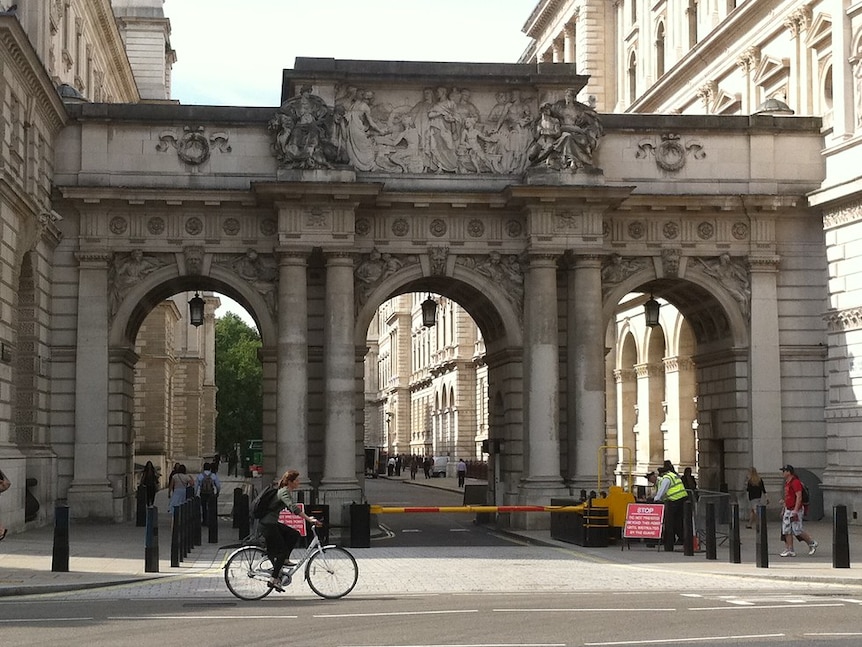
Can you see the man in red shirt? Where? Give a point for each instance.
(791, 519)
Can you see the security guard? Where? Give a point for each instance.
(671, 492)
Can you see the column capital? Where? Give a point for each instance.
(541, 259)
(586, 260)
(94, 258)
(291, 257)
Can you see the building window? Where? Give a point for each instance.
(659, 50)
(634, 11)
(692, 22)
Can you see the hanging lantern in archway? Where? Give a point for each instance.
(429, 312)
(196, 310)
(651, 309)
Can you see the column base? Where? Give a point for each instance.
(537, 491)
(92, 501)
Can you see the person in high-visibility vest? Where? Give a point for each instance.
(671, 492)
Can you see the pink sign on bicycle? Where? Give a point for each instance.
(294, 521)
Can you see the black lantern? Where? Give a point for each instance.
(196, 311)
(429, 312)
(651, 308)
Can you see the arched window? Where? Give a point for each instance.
(633, 77)
(659, 50)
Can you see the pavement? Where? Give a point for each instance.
(105, 555)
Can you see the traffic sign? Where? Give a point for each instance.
(643, 521)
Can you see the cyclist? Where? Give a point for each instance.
(281, 539)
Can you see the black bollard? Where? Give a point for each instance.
(175, 538)
(60, 561)
(735, 552)
(840, 538)
(687, 528)
(195, 525)
(141, 510)
(151, 541)
(212, 520)
(711, 546)
(243, 517)
(360, 525)
(237, 495)
(762, 542)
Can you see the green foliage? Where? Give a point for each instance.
(239, 378)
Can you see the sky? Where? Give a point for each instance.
(233, 52)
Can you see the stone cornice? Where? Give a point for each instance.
(101, 16)
(844, 320)
(844, 216)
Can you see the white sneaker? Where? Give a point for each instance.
(812, 548)
(787, 553)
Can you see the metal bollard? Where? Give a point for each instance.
(212, 520)
(175, 538)
(687, 529)
(762, 541)
(60, 560)
(840, 538)
(151, 541)
(195, 525)
(360, 525)
(141, 508)
(735, 552)
(710, 531)
(243, 517)
(237, 495)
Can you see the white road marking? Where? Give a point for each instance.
(682, 641)
(205, 617)
(16, 620)
(579, 610)
(382, 614)
(767, 606)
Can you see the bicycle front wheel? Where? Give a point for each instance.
(332, 573)
(247, 573)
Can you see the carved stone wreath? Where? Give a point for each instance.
(636, 229)
(400, 227)
(363, 227)
(193, 147)
(194, 226)
(476, 228)
(739, 230)
(268, 227)
(670, 154)
(118, 225)
(156, 225)
(514, 229)
(671, 230)
(438, 227)
(231, 226)
(705, 230)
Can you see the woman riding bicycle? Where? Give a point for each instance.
(281, 539)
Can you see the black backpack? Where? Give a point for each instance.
(263, 503)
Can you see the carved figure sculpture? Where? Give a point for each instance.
(580, 131)
(732, 276)
(303, 129)
(443, 128)
(128, 271)
(360, 124)
(261, 273)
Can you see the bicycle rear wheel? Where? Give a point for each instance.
(247, 573)
(332, 573)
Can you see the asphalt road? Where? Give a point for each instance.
(463, 620)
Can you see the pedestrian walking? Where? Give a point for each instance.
(461, 469)
(208, 487)
(150, 482)
(794, 511)
(756, 495)
(178, 488)
(426, 466)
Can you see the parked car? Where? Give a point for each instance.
(439, 466)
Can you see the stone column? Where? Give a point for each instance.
(291, 446)
(585, 397)
(765, 365)
(339, 469)
(90, 494)
(541, 437)
(569, 42)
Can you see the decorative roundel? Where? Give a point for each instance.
(670, 155)
(400, 227)
(636, 229)
(671, 230)
(194, 226)
(739, 230)
(156, 225)
(705, 230)
(268, 227)
(476, 228)
(363, 227)
(231, 226)
(118, 225)
(514, 229)
(438, 227)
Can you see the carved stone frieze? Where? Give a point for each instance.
(670, 153)
(844, 216)
(193, 146)
(128, 269)
(374, 267)
(258, 270)
(617, 269)
(503, 270)
(732, 275)
(441, 130)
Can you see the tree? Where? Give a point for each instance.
(239, 378)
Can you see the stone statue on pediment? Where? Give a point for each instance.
(302, 130)
(566, 135)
